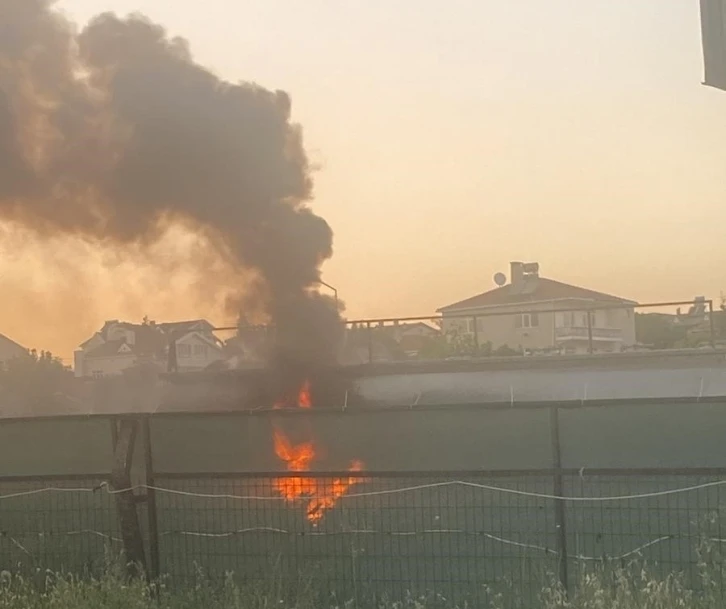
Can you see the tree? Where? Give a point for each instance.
(35, 376)
(658, 331)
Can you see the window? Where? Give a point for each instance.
(183, 350)
(526, 320)
(200, 350)
(470, 326)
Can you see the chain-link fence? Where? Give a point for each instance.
(456, 536)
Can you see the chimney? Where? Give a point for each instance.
(524, 277)
(516, 273)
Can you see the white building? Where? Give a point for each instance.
(119, 345)
(521, 315)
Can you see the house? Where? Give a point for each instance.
(9, 349)
(520, 315)
(413, 337)
(119, 345)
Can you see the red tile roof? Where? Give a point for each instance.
(544, 290)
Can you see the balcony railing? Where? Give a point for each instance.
(582, 333)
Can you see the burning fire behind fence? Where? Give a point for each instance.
(319, 494)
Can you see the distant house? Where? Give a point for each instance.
(413, 337)
(9, 349)
(120, 345)
(516, 315)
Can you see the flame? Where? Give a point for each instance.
(320, 494)
(303, 397)
(298, 458)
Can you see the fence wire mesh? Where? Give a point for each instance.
(460, 538)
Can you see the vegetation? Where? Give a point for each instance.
(458, 345)
(626, 587)
(34, 376)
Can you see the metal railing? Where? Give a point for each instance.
(391, 339)
(378, 333)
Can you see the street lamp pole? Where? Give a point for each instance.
(335, 292)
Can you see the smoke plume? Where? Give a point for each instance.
(114, 134)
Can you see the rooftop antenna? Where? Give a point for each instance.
(500, 279)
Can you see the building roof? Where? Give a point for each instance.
(7, 340)
(182, 327)
(416, 324)
(108, 349)
(148, 341)
(542, 289)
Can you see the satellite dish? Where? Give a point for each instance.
(500, 279)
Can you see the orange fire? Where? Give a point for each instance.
(320, 494)
(303, 397)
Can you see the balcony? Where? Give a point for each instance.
(581, 333)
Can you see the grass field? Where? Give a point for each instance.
(630, 587)
(449, 544)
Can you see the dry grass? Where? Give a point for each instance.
(630, 587)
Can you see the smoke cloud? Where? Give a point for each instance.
(115, 135)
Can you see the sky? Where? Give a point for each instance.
(453, 137)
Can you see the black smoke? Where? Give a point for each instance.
(115, 132)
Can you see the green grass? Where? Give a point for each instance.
(604, 587)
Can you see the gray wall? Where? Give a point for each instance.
(641, 436)
(400, 440)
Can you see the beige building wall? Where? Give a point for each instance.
(502, 329)
(107, 366)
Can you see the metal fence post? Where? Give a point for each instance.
(589, 332)
(370, 342)
(558, 491)
(154, 566)
(710, 324)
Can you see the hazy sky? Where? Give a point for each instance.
(456, 136)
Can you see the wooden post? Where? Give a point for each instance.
(558, 491)
(125, 499)
(154, 568)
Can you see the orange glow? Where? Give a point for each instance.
(320, 494)
(298, 457)
(303, 397)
